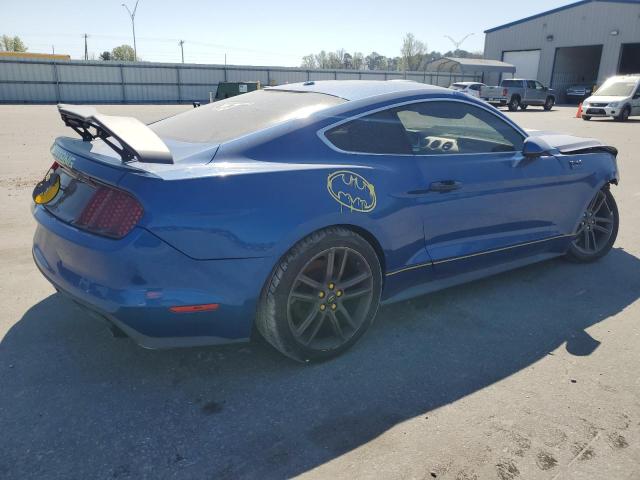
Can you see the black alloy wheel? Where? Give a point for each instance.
(322, 295)
(597, 230)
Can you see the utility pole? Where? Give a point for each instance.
(459, 42)
(181, 43)
(86, 51)
(133, 26)
(53, 49)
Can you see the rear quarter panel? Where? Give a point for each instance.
(258, 200)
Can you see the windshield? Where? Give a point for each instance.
(240, 115)
(616, 89)
(458, 86)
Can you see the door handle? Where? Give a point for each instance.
(445, 186)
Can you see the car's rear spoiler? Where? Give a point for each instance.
(133, 139)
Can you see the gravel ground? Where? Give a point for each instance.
(531, 374)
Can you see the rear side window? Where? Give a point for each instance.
(381, 133)
(511, 83)
(237, 116)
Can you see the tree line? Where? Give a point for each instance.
(123, 53)
(414, 56)
(12, 44)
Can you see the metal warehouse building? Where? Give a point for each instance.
(580, 43)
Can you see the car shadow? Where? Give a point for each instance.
(77, 403)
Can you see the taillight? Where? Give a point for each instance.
(504, 92)
(110, 212)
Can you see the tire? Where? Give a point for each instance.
(513, 104)
(586, 117)
(523, 106)
(590, 227)
(549, 103)
(624, 114)
(302, 305)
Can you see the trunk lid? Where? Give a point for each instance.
(91, 171)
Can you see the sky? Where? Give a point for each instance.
(249, 32)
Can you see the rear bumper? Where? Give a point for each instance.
(495, 100)
(134, 281)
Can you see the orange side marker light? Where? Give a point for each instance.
(208, 307)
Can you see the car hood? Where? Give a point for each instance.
(605, 99)
(567, 144)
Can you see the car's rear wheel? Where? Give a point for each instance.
(549, 103)
(597, 230)
(322, 296)
(513, 104)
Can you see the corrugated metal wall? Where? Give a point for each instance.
(77, 81)
(607, 23)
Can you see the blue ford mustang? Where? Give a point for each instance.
(294, 211)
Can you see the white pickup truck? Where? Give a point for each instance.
(519, 93)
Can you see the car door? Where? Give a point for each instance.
(533, 94)
(541, 92)
(474, 90)
(481, 201)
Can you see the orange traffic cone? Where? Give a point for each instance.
(579, 112)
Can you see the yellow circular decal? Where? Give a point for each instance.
(352, 191)
(47, 189)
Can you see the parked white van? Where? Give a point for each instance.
(618, 97)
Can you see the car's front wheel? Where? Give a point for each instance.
(586, 117)
(322, 295)
(624, 114)
(597, 230)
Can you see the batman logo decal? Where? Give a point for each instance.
(352, 191)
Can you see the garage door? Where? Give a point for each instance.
(525, 61)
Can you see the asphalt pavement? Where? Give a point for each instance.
(531, 374)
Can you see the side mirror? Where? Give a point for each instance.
(535, 147)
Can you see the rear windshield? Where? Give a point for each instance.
(511, 83)
(617, 88)
(458, 86)
(237, 116)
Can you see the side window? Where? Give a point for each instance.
(446, 127)
(427, 128)
(475, 87)
(381, 132)
(539, 86)
(531, 84)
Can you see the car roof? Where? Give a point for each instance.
(360, 89)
